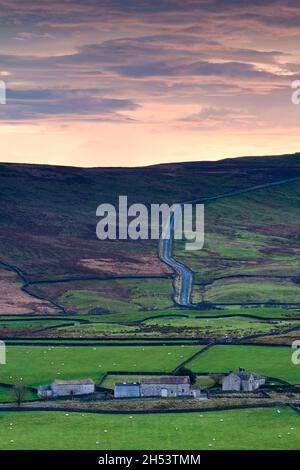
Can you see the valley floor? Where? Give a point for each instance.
(279, 428)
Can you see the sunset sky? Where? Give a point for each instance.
(136, 82)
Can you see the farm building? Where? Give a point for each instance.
(161, 386)
(60, 388)
(242, 380)
(165, 386)
(127, 389)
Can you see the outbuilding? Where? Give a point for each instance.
(61, 388)
(166, 386)
(160, 386)
(127, 390)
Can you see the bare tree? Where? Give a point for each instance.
(18, 393)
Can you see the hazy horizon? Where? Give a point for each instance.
(151, 164)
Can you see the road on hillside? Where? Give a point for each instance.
(184, 274)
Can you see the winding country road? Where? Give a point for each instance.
(184, 276)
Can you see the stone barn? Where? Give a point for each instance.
(242, 381)
(165, 386)
(159, 386)
(61, 388)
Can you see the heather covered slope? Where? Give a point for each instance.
(48, 221)
(252, 248)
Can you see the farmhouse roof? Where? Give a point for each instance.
(243, 374)
(233, 375)
(167, 379)
(74, 382)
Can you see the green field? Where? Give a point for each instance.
(38, 365)
(6, 394)
(101, 342)
(163, 323)
(25, 323)
(132, 316)
(112, 296)
(258, 290)
(246, 235)
(231, 327)
(263, 312)
(235, 429)
(270, 361)
(173, 327)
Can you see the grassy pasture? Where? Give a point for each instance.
(166, 323)
(235, 429)
(157, 327)
(140, 315)
(212, 327)
(246, 235)
(39, 365)
(109, 296)
(6, 395)
(258, 290)
(267, 360)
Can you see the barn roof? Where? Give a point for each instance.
(74, 382)
(167, 379)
